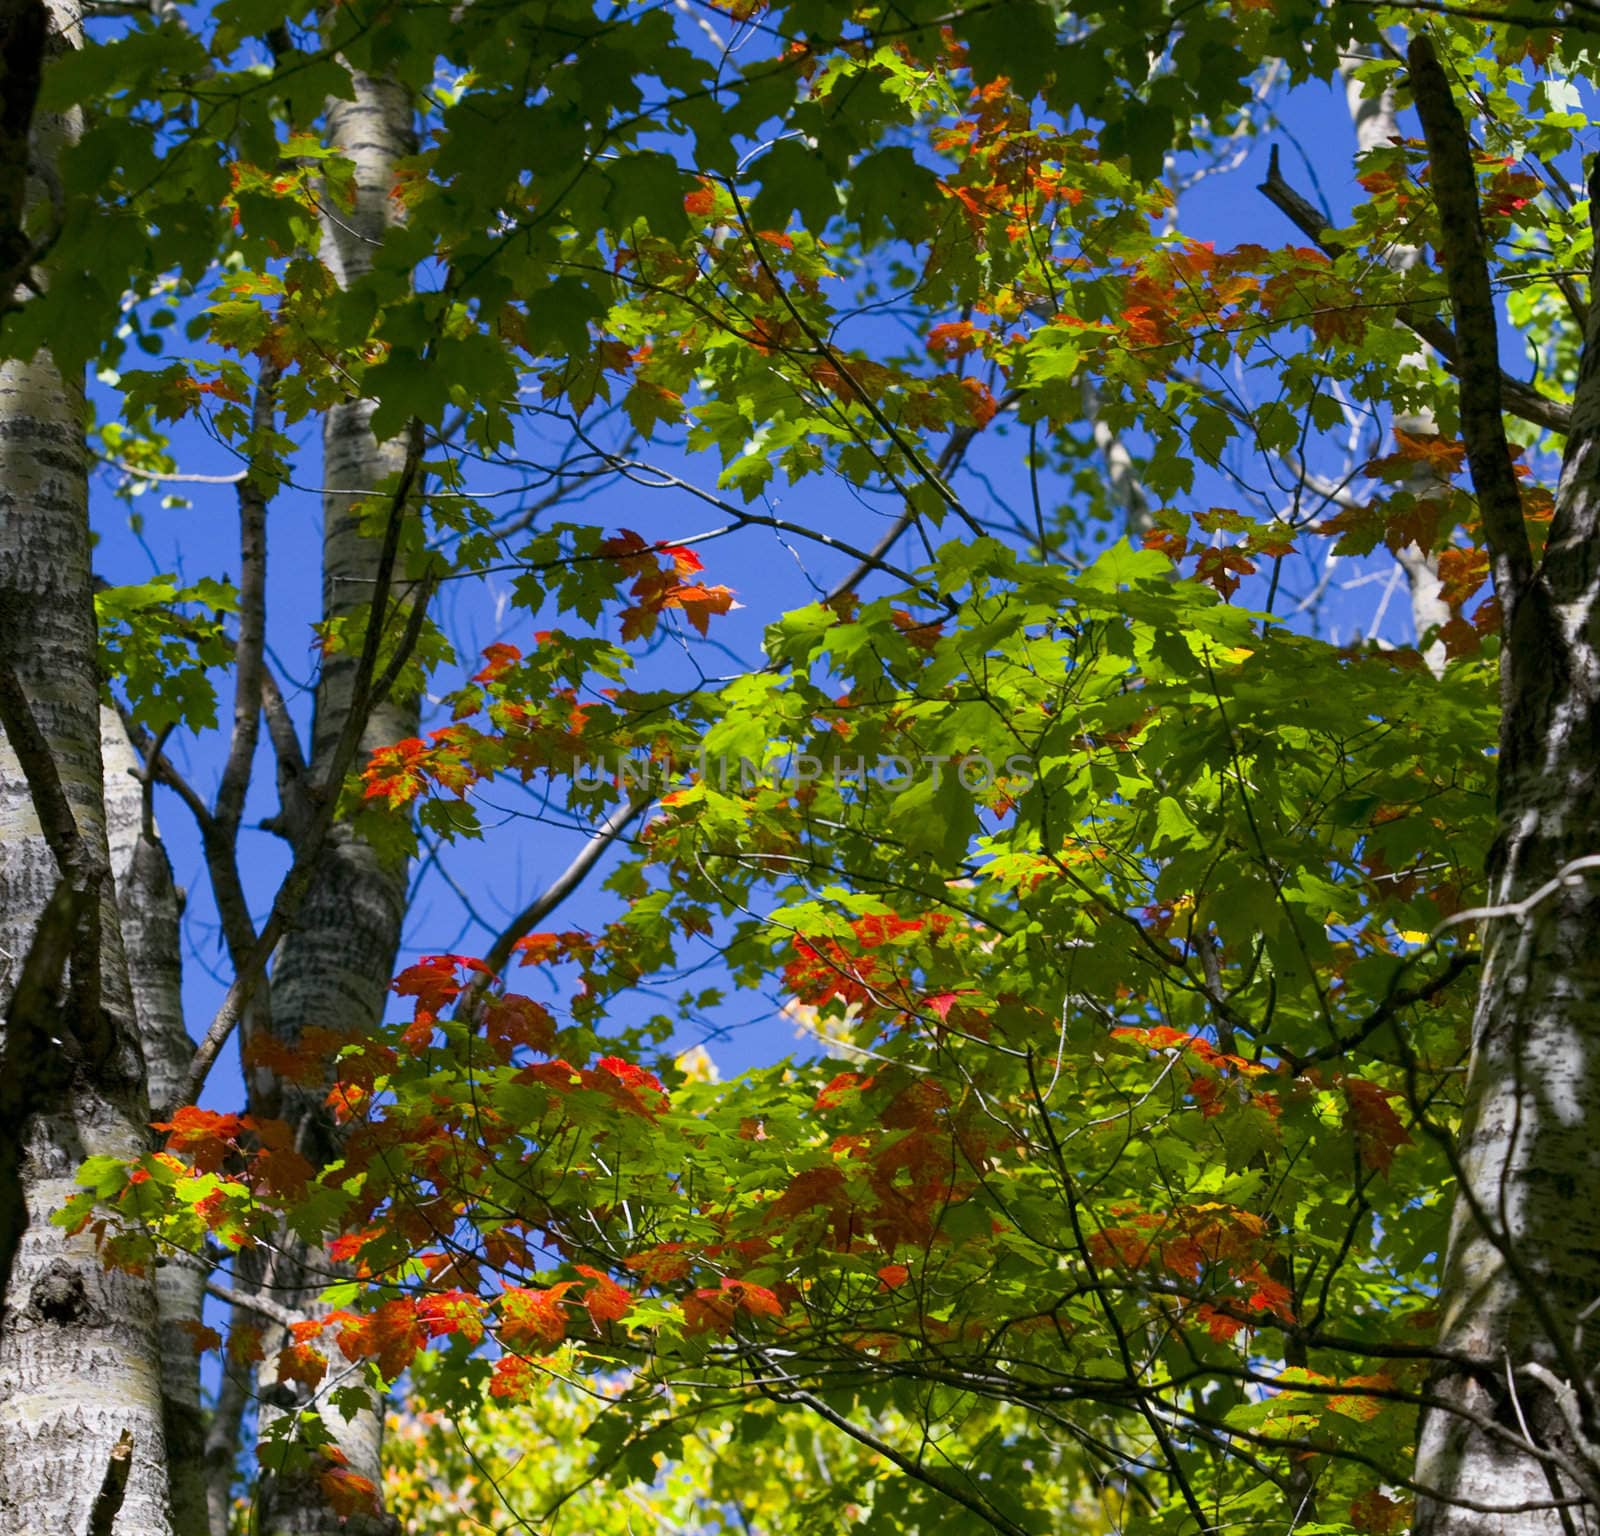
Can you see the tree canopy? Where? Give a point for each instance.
(1202, 1049)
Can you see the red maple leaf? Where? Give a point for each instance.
(605, 1300)
(1378, 1130)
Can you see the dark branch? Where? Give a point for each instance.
(24, 41)
(971, 1502)
(81, 869)
(158, 765)
(113, 1488)
(1465, 256)
(56, 821)
(1570, 17)
(35, 1067)
(1389, 1008)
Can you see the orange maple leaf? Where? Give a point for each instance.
(605, 1300)
(536, 1317)
(302, 1362)
(348, 1493)
(1378, 1131)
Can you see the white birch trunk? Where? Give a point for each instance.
(1524, 1266)
(150, 909)
(335, 965)
(80, 1370)
(79, 1362)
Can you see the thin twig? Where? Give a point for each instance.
(564, 884)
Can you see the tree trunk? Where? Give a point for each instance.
(80, 1370)
(1524, 1256)
(150, 909)
(334, 967)
(1522, 1271)
(79, 1362)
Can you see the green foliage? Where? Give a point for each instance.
(160, 650)
(1136, 1037)
(712, 1470)
(1122, 912)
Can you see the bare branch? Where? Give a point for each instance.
(113, 1488)
(251, 1301)
(564, 884)
(34, 1066)
(249, 651)
(292, 770)
(1570, 17)
(56, 821)
(159, 766)
(162, 477)
(972, 1502)
(82, 870)
(950, 457)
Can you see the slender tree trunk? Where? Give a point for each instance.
(1376, 125)
(334, 967)
(1522, 1272)
(150, 909)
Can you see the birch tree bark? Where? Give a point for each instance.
(333, 969)
(149, 910)
(1516, 1427)
(79, 1362)
(81, 1424)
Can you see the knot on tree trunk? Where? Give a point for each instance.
(59, 1295)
